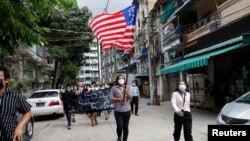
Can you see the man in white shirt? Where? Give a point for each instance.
(181, 103)
(135, 98)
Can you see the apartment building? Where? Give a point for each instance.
(143, 48)
(28, 68)
(90, 70)
(205, 43)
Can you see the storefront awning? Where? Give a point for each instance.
(142, 74)
(197, 61)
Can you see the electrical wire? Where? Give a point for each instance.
(69, 31)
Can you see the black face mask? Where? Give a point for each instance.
(1, 83)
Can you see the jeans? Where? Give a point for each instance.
(67, 113)
(122, 122)
(135, 101)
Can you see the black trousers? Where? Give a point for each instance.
(186, 121)
(122, 122)
(135, 101)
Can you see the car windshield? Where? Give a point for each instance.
(244, 98)
(44, 94)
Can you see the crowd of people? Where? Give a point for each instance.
(123, 96)
(83, 90)
(125, 99)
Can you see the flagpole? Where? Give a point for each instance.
(127, 71)
(106, 9)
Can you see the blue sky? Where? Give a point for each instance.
(98, 6)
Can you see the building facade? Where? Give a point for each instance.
(90, 70)
(205, 43)
(29, 68)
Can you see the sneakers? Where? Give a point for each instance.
(73, 120)
(136, 115)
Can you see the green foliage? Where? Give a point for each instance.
(19, 21)
(58, 53)
(68, 37)
(20, 84)
(70, 70)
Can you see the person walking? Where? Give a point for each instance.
(106, 112)
(93, 113)
(120, 94)
(10, 103)
(74, 91)
(66, 106)
(181, 104)
(135, 98)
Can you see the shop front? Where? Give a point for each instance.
(231, 75)
(211, 72)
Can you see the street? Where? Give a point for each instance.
(153, 123)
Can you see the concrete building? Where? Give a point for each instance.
(90, 70)
(205, 43)
(29, 68)
(109, 65)
(143, 49)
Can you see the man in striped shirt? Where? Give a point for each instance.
(10, 103)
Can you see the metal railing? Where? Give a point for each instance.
(214, 17)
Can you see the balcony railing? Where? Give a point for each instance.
(168, 64)
(203, 22)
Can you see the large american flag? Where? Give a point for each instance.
(117, 29)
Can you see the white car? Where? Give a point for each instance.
(236, 112)
(46, 102)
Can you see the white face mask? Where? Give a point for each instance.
(182, 87)
(133, 84)
(121, 81)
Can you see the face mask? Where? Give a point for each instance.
(121, 81)
(1, 83)
(96, 88)
(182, 87)
(133, 84)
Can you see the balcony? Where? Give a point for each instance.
(93, 48)
(202, 27)
(92, 61)
(232, 10)
(90, 55)
(86, 75)
(86, 68)
(171, 40)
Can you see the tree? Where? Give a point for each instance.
(20, 18)
(68, 38)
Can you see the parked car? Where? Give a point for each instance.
(29, 128)
(236, 112)
(46, 102)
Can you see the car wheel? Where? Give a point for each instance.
(29, 129)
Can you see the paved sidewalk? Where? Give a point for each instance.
(154, 123)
